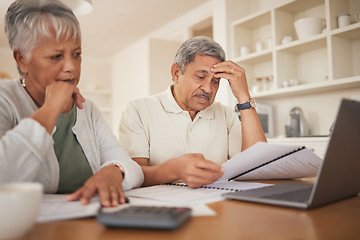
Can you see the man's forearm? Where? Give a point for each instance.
(160, 174)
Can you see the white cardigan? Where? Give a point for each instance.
(26, 148)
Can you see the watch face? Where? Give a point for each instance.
(252, 103)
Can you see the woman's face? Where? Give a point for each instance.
(52, 61)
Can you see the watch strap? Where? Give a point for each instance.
(250, 104)
(244, 106)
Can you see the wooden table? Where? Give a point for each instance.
(234, 220)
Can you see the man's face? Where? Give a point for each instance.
(196, 88)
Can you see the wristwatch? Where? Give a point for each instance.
(250, 104)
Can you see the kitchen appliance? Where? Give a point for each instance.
(298, 126)
(265, 113)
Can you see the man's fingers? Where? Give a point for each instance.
(208, 165)
(201, 171)
(200, 180)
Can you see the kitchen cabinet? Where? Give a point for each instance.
(324, 62)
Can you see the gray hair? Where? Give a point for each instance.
(201, 45)
(27, 22)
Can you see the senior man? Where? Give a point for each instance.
(181, 134)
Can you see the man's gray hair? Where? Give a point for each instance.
(201, 45)
(28, 22)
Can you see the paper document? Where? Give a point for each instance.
(55, 207)
(182, 194)
(197, 209)
(272, 161)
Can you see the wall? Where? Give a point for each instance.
(161, 57)
(7, 63)
(130, 78)
(138, 68)
(95, 73)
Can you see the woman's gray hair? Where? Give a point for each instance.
(201, 45)
(28, 22)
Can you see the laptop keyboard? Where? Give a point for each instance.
(301, 195)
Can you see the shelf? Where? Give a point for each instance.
(310, 88)
(249, 30)
(256, 57)
(254, 21)
(345, 48)
(338, 7)
(301, 71)
(350, 32)
(332, 54)
(298, 46)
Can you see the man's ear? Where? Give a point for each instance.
(20, 60)
(175, 72)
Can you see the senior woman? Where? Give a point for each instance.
(49, 133)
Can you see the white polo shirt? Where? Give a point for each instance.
(157, 128)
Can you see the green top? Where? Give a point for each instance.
(74, 166)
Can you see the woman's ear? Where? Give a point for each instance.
(175, 72)
(20, 60)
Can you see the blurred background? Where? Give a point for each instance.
(298, 73)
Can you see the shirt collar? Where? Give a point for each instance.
(171, 106)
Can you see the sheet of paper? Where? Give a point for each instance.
(197, 209)
(261, 153)
(235, 185)
(55, 207)
(301, 164)
(182, 194)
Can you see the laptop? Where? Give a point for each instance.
(338, 176)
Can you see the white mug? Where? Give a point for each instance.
(269, 43)
(244, 50)
(343, 20)
(19, 208)
(259, 46)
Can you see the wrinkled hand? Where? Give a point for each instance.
(60, 95)
(236, 77)
(107, 182)
(196, 171)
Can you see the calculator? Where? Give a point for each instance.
(151, 217)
